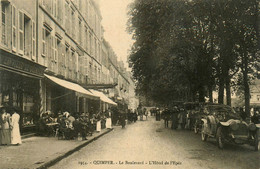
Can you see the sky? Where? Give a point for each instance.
(114, 14)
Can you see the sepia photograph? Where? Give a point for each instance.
(129, 84)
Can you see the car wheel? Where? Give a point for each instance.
(256, 140)
(219, 138)
(204, 136)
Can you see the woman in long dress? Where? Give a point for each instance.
(15, 133)
(5, 134)
(98, 125)
(108, 120)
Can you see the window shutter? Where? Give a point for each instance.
(55, 49)
(49, 47)
(64, 52)
(21, 32)
(14, 29)
(33, 41)
(52, 48)
(44, 42)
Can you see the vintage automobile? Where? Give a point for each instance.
(226, 125)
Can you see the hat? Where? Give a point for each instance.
(66, 114)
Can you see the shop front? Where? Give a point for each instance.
(62, 95)
(20, 87)
(105, 102)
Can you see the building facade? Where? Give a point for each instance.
(20, 73)
(48, 46)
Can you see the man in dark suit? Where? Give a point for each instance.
(174, 117)
(166, 117)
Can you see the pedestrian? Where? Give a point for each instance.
(242, 113)
(98, 124)
(181, 118)
(108, 120)
(165, 115)
(80, 127)
(144, 113)
(71, 119)
(255, 118)
(135, 116)
(158, 118)
(15, 132)
(5, 133)
(174, 118)
(122, 120)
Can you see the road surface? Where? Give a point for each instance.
(147, 144)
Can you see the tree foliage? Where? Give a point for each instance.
(185, 49)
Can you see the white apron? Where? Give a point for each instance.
(98, 128)
(15, 133)
(108, 123)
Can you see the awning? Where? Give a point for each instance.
(103, 97)
(72, 86)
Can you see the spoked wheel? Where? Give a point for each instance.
(219, 138)
(204, 136)
(256, 141)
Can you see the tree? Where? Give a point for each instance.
(184, 49)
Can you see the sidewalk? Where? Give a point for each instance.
(41, 152)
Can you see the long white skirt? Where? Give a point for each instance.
(98, 127)
(108, 123)
(15, 135)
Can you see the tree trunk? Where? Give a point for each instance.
(228, 92)
(221, 90)
(210, 94)
(201, 94)
(246, 86)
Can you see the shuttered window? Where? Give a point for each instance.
(67, 17)
(21, 32)
(44, 47)
(14, 29)
(55, 49)
(33, 41)
(86, 39)
(3, 24)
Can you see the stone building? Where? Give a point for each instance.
(52, 52)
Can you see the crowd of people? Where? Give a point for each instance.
(9, 127)
(183, 119)
(64, 125)
(176, 115)
(73, 125)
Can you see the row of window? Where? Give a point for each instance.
(18, 32)
(74, 24)
(90, 43)
(21, 27)
(64, 60)
(88, 11)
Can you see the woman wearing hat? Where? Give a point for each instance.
(5, 134)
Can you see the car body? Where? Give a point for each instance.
(226, 125)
